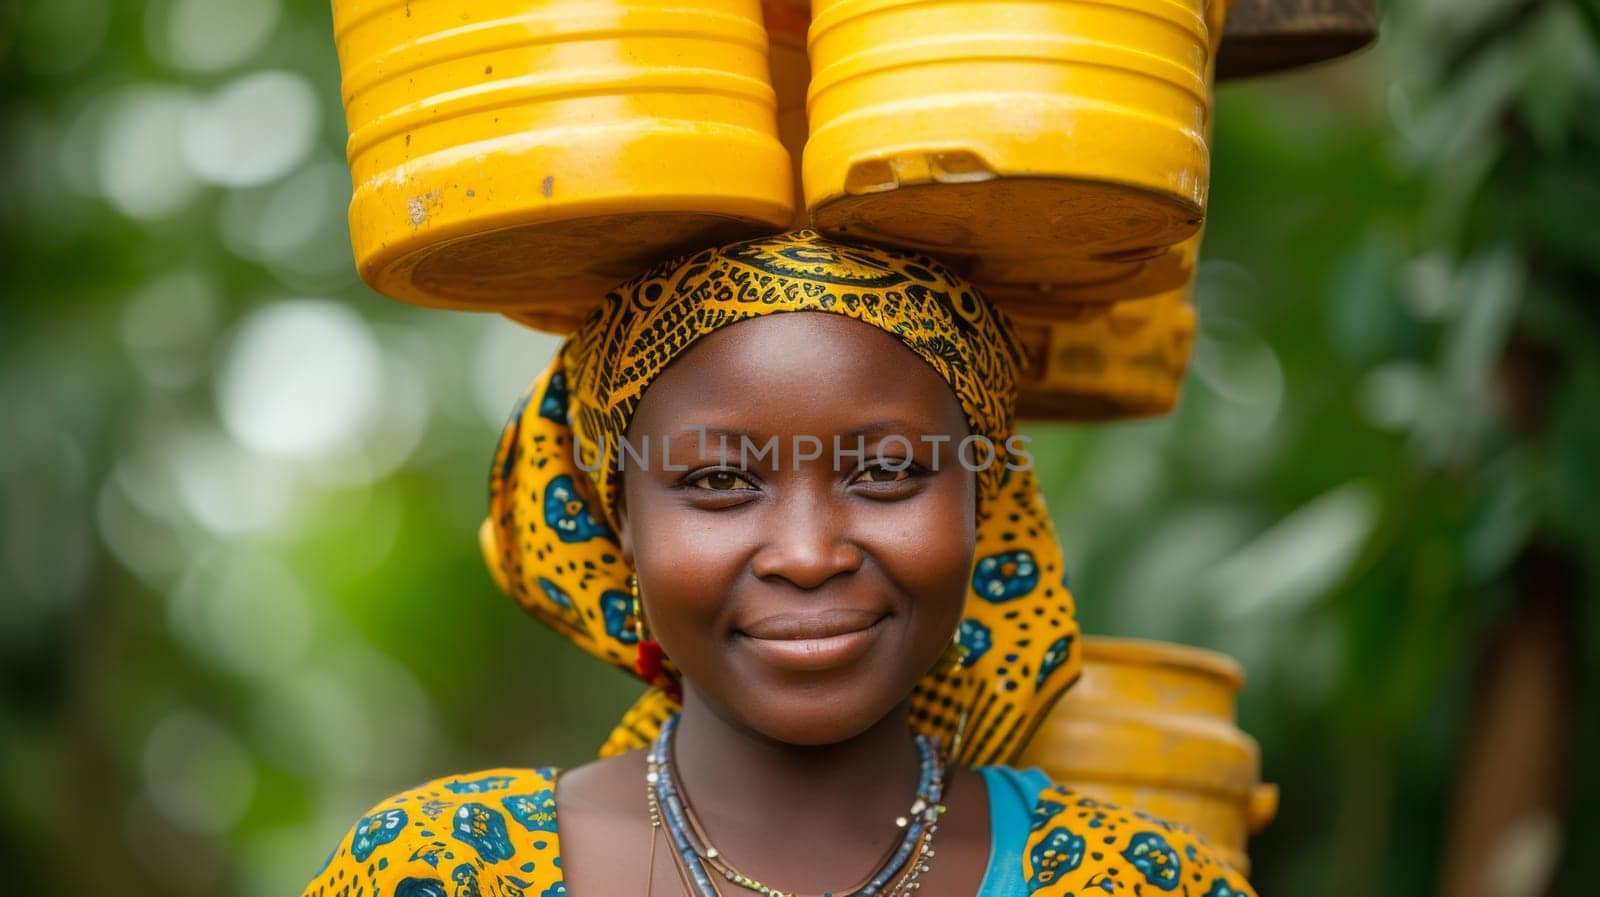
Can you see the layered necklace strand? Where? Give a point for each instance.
(897, 877)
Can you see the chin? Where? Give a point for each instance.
(813, 725)
(817, 714)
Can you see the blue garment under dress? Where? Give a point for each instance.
(1012, 794)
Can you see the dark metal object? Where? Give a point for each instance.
(1265, 36)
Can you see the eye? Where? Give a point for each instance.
(721, 481)
(879, 473)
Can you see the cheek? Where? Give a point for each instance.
(686, 562)
(929, 553)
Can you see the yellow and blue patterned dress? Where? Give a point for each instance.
(495, 833)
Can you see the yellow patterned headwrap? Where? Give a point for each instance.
(550, 535)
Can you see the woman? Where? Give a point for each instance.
(821, 544)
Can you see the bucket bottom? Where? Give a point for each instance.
(1069, 289)
(1045, 218)
(551, 274)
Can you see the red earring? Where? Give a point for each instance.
(648, 661)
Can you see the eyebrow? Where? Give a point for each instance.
(879, 426)
(863, 430)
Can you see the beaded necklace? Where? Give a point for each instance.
(894, 878)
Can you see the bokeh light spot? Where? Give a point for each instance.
(197, 773)
(253, 130)
(139, 162)
(213, 35)
(303, 379)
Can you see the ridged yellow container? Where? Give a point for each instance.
(1151, 726)
(1057, 287)
(527, 157)
(1023, 129)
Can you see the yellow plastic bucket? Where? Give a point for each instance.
(1150, 726)
(527, 157)
(1031, 129)
(1121, 361)
(1058, 287)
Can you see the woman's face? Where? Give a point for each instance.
(801, 593)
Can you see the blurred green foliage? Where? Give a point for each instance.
(242, 599)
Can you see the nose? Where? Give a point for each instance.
(807, 542)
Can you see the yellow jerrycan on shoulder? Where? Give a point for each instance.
(526, 157)
(1150, 726)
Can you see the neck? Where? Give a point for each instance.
(741, 778)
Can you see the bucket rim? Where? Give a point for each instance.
(1150, 652)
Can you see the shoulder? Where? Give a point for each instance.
(491, 832)
(1082, 846)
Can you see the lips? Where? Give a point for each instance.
(813, 640)
(811, 625)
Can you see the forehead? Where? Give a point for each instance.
(799, 372)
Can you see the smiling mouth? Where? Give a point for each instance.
(811, 642)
